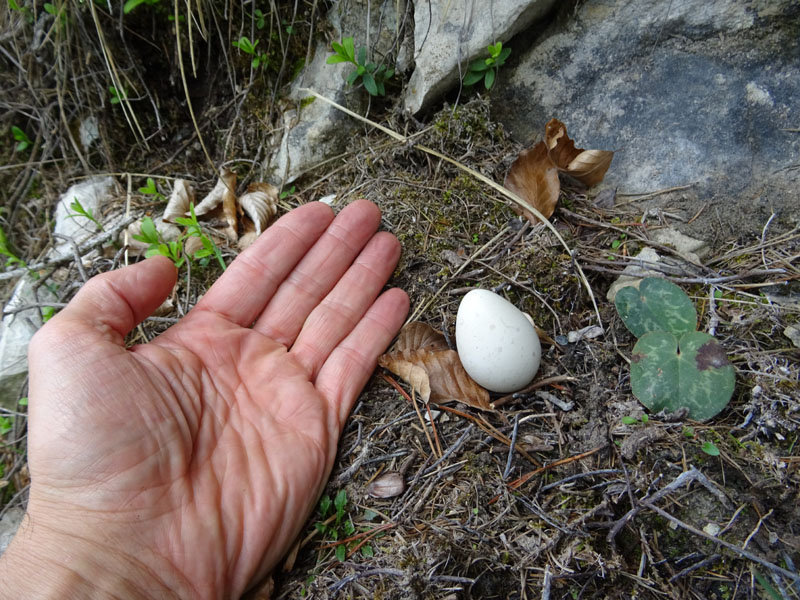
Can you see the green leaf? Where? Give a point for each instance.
(362, 55)
(369, 514)
(49, 8)
(478, 65)
(381, 88)
(203, 253)
(628, 420)
(366, 550)
(488, 81)
(472, 77)
(658, 305)
(341, 552)
(369, 84)
(494, 50)
(334, 59)
(693, 372)
(23, 401)
(340, 501)
(19, 134)
(710, 448)
(503, 56)
(5, 425)
(12, 4)
(324, 505)
(351, 79)
(149, 231)
(255, 62)
(349, 528)
(349, 48)
(321, 527)
(339, 49)
(47, 313)
(130, 5)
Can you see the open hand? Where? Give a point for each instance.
(186, 467)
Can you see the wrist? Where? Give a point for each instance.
(42, 562)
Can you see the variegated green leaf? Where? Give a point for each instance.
(658, 305)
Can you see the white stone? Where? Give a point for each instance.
(687, 247)
(93, 194)
(449, 34)
(640, 266)
(9, 525)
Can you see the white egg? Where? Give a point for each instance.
(497, 342)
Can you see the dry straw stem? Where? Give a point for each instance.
(479, 176)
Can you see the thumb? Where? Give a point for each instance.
(113, 303)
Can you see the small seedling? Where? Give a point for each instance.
(245, 45)
(334, 526)
(260, 17)
(150, 189)
(373, 77)
(6, 425)
(80, 211)
(486, 68)
(710, 448)
(131, 4)
(23, 141)
(23, 401)
(59, 13)
(286, 193)
(48, 312)
(5, 250)
(117, 96)
(157, 245)
(673, 366)
(193, 229)
(629, 420)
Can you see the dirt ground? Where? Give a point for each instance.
(590, 499)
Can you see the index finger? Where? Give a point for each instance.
(242, 292)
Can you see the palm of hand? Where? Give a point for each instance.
(209, 446)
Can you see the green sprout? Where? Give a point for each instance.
(373, 76)
(335, 527)
(131, 4)
(157, 245)
(150, 189)
(23, 141)
(245, 45)
(486, 68)
(5, 250)
(209, 248)
(80, 211)
(117, 96)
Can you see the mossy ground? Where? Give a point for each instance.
(463, 529)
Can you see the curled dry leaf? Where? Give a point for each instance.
(180, 199)
(260, 204)
(388, 485)
(534, 178)
(587, 166)
(421, 358)
(226, 183)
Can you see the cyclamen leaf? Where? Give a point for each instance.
(668, 373)
(473, 77)
(658, 305)
(369, 84)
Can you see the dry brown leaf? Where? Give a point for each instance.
(421, 358)
(229, 203)
(534, 178)
(180, 199)
(226, 183)
(260, 203)
(419, 336)
(587, 166)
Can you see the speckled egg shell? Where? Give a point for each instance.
(497, 344)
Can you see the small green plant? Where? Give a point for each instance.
(48, 312)
(673, 366)
(23, 141)
(157, 245)
(334, 526)
(710, 448)
(260, 17)
(245, 45)
(6, 425)
(60, 14)
(630, 420)
(373, 76)
(209, 248)
(131, 4)
(80, 211)
(150, 189)
(5, 250)
(486, 68)
(286, 193)
(117, 96)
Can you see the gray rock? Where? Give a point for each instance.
(9, 525)
(687, 247)
(448, 35)
(313, 129)
(699, 94)
(632, 274)
(16, 331)
(93, 194)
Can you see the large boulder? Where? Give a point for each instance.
(704, 95)
(449, 35)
